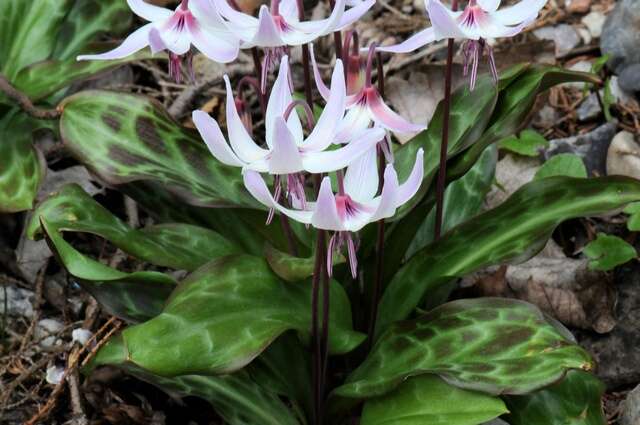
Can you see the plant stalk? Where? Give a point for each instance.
(25, 103)
(317, 368)
(444, 146)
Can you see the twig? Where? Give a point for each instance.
(25, 103)
(76, 398)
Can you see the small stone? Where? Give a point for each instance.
(564, 36)
(579, 6)
(585, 35)
(620, 95)
(623, 157)
(631, 408)
(629, 79)
(18, 301)
(621, 35)
(546, 117)
(407, 8)
(54, 374)
(45, 332)
(591, 147)
(589, 108)
(594, 22)
(81, 336)
(419, 5)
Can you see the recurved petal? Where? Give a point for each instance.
(148, 11)
(307, 31)
(241, 142)
(327, 161)
(490, 27)
(326, 215)
(444, 21)
(489, 5)
(324, 131)
(207, 14)
(354, 13)
(322, 87)
(212, 136)
(411, 186)
(285, 157)
(256, 185)
(279, 101)
(355, 122)
(387, 118)
(388, 201)
(219, 46)
(412, 43)
(524, 11)
(137, 40)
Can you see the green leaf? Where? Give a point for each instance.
(427, 399)
(576, 400)
(493, 345)
(528, 144)
(179, 246)
(607, 100)
(512, 232)
(125, 138)
(633, 210)
(293, 269)
(225, 314)
(607, 251)
(22, 167)
(87, 20)
(45, 78)
(564, 164)
(237, 398)
(131, 296)
(28, 31)
(462, 200)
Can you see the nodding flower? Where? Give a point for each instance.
(287, 151)
(193, 22)
(354, 206)
(478, 21)
(364, 102)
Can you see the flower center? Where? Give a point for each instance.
(472, 15)
(346, 206)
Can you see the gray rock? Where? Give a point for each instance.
(631, 408)
(629, 80)
(19, 301)
(45, 332)
(621, 35)
(623, 157)
(616, 353)
(564, 36)
(591, 147)
(589, 108)
(594, 22)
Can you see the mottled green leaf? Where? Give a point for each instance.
(87, 20)
(633, 210)
(564, 164)
(512, 232)
(237, 398)
(21, 165)
(175, 245)
(293, 269)
(576, 400)
(130, 296)
(125, 138)
(225, 314)
(494, 345)
(528, 144)
(28, 31)
(427, 399)
(608, 251)
(462, 200)
(513, 107)
(45, 78)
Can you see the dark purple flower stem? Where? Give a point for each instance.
(444, 146)
(337, 35)
(377, 282)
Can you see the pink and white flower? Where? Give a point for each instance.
(195, 22)
(356, 203)
(364, 102)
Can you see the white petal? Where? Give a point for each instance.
(490, 27)
(444, 21)
(327, 161)
(388, 200)
(524, 11)
(414, 42)
(323, 133)
(256, 185)
(212, 136)
(361, 179)
(489, 5)
(279, 101)
(175, 37)
(148, 11)
(219, 46)
(355, 122)
(207, 14)
(307, 31)
(267, 34)
(285, 157)
(289, 10)
(242, 144)
(326, 215)
(322, 88)
(410, 187)
(355, 13)
(139, 39)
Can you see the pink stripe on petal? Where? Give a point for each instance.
(212, 136)
(384, 116)
(148, 11)
(414, 42)
(138, 40)
(326, 215)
